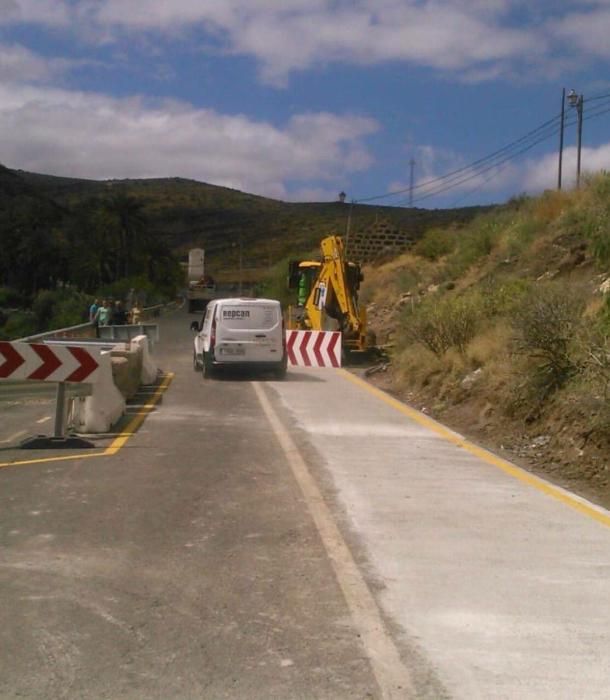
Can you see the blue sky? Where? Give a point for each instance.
(300, 99)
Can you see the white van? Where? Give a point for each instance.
(244, 331)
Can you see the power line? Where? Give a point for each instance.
(481, 171)
(465, 167)
(501, 165)
(507, 152)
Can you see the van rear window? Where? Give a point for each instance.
(254, 316)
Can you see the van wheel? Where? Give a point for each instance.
(207, 368)
(280, 371)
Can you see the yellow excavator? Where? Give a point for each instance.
(327, 297)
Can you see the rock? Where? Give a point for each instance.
(472, 378)
(540, 441)
(486, 411)
(406, 298)
(604, 287)
(548, 275)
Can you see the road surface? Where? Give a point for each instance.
(311, 538)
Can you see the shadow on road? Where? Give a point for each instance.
(247, 375)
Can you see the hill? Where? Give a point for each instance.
(502, 330)
(187, 214)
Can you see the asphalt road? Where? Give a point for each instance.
(302, 539)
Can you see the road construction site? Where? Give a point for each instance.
(242, 537)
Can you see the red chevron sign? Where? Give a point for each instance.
(58, 363)
(314, 348)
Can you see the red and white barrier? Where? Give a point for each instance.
(313, 348)
(57, 363)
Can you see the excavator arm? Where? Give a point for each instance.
(332, 298)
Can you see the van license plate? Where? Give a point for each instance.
(232, 351)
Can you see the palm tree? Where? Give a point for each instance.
(131, 223)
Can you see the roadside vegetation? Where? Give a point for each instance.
(54, 259)
(502, 328)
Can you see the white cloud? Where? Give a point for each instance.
(477, 40)
(435, 34)
(45, 12)
(541, 174)
(587, 31)
(95, 136)
(452, 35)
(19, 64)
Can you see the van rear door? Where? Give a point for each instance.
(249, 331)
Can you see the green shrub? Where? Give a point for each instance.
(593, 223)
(436, 243)
(502, 298)
(473, 243)
(18, 324)
(59, 308)
(600, 242)
(600, 186)
(144, 289)
(522, 233)
(547, 322)
(441, 324)
(10, 298)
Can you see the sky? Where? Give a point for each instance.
(302, 99)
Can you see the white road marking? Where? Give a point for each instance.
(44, 420)
(13, 437)
(393, 677)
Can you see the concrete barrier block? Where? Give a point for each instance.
(149, 366)
(100, 411)
(126, 370)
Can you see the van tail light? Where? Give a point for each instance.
(283, 335)
(213, 335)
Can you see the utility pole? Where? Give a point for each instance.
(348, 225)
(411, 181)
(561, 128)
(577, 101)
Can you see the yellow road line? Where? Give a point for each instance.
(116, 444)
(138, 419)
(580, 504)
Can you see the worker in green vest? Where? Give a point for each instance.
(302, 289)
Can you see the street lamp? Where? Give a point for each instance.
(577, 101)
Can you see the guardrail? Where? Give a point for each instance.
(80, 331)
(87, 330)
(83, 334)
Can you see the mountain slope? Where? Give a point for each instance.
(195, 214)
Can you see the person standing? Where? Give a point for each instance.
(103, 314)
(119, 316)
(93, 310)
(135, 314)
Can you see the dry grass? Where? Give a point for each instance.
(406, 273)
(490, 347)
(551, 205)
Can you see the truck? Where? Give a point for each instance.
(201, 288)
(327, 297)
